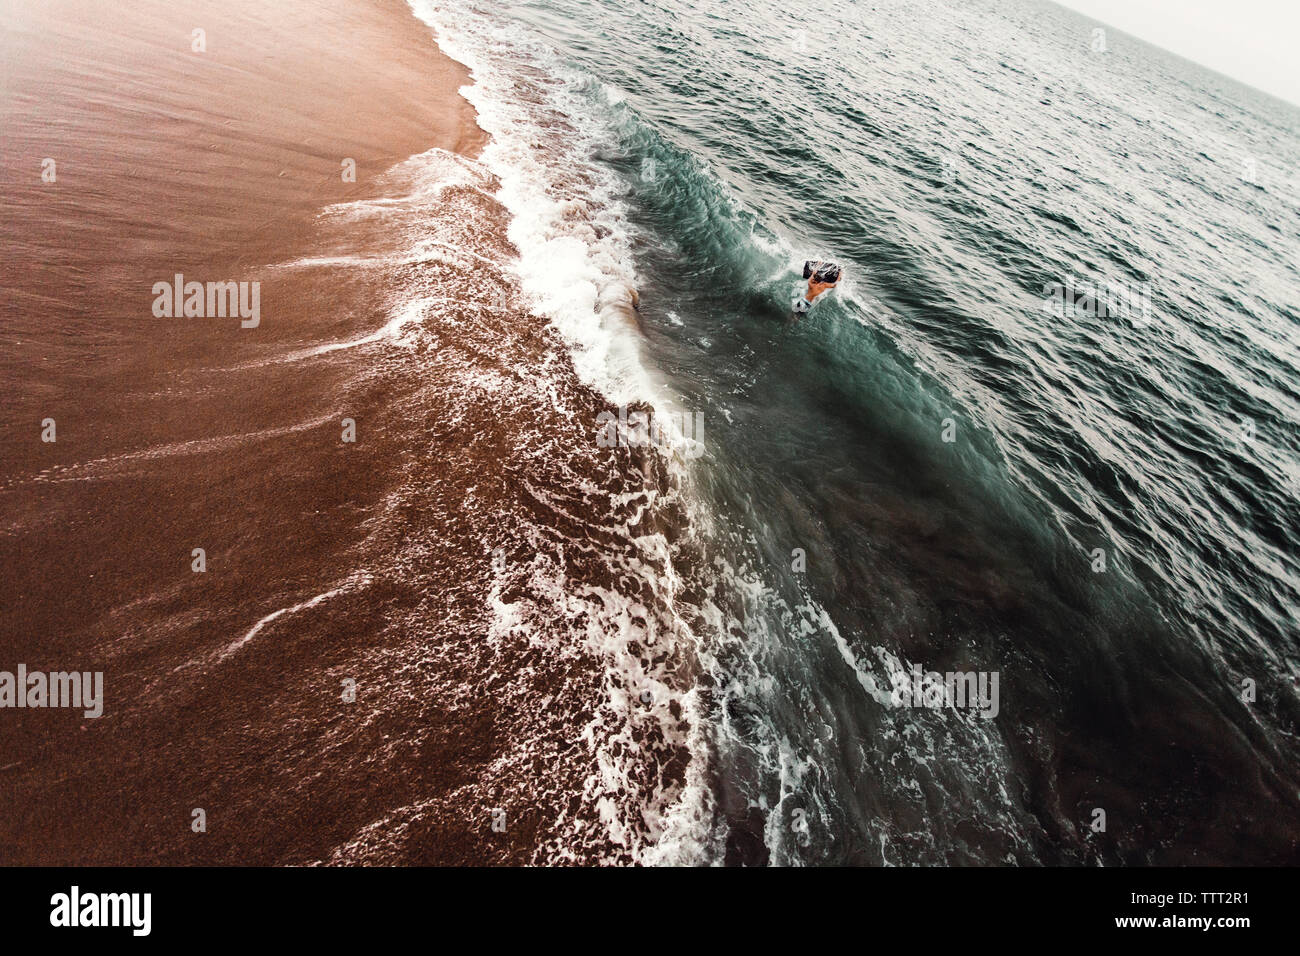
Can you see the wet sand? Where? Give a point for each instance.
(410, 565)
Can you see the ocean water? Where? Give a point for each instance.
(949, 464)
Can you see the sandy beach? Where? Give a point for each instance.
(362, 465)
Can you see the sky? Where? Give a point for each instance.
(1254, 41)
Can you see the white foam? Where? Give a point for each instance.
(575, 267)
(575, 263)
(358, 580)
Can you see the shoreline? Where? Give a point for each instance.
(377, 475)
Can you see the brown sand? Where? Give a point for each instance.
(375, 557)
(168, 161)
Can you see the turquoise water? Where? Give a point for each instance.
(939, 466)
